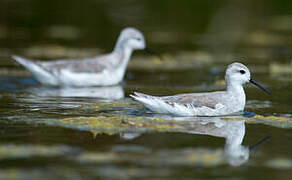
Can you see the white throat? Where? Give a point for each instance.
(124, 53)
(235, 88)
(237, 92)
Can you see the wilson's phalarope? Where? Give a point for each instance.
(205, 104)
(103, 70)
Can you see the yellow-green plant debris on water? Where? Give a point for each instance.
(98, 157)
(182, 60)
(280, 163)
(277, 121)
(260, 37)
(185, 157)
(26, 151)
(220, 82)
(14, 72)
(117, 124)
(206, 157)
(276, 68)
(103, 105)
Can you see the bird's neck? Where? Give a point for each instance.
(124, 52)
(237, 92)
(235, 88)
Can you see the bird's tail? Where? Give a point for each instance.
(40, 73)
(156, 104)
(146, 100)
(29, 64)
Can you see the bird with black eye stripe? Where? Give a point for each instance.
(205, 104)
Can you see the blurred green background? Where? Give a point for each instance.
(168, 25)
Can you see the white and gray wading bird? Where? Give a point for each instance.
(205, 104)
(103, 70)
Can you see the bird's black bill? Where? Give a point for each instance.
(254, 146)
(260, 86)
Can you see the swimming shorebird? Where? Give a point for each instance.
(217, 103)
(103, 70)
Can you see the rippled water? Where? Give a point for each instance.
(33, 116)
(99, 132)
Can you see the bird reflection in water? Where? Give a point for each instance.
(106, 92)
(233, 131)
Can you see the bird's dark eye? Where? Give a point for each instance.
(138, 39)
(242, 71)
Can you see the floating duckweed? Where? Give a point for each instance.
(116, 124)
(120, 124)
(11, 173)
(277, 121)
(157, 60)
(264, 38)
(186, 157)
(206, 157)
(199, 56)
(97, 157)
(98, 132)
(276, 68)
(220, 82)
(182, 60)
(25, 151)
(104, 105)
(14, 72)
(280, 163)
(274, 118)
(259, 117)
(158, 120)
(235, 118)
